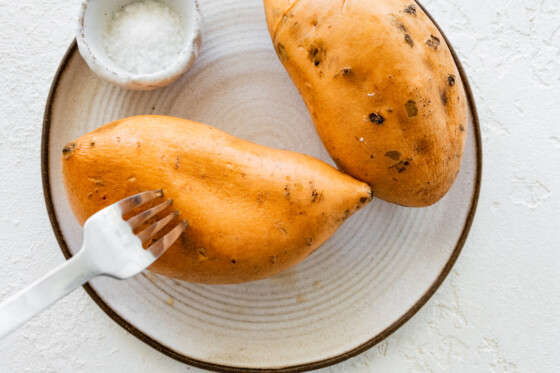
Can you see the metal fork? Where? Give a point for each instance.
(109, 248)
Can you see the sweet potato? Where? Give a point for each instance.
(382, 89)
(252, 211)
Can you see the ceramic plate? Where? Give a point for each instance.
(366, 281)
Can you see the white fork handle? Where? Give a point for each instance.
(22, 306)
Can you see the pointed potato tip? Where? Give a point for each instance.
(275, 11)
(68, 149)
(366, 199)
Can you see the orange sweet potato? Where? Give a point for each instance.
(253, 211)
(382, 88)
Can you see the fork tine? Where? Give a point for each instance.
(166, 241)
(156, 227)
(140, 218)
(130, 203)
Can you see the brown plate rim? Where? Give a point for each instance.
(291, 369)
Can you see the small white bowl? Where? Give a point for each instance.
(94, 15)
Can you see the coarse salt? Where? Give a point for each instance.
(144, 37)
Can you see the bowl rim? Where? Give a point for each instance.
(289, 369)
(156, 79)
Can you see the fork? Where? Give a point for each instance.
(109, 248)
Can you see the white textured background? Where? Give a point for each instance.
(499, 310)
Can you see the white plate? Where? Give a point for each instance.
(365, 282)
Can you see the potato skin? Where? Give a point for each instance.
(382, 88)
(253, 211)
